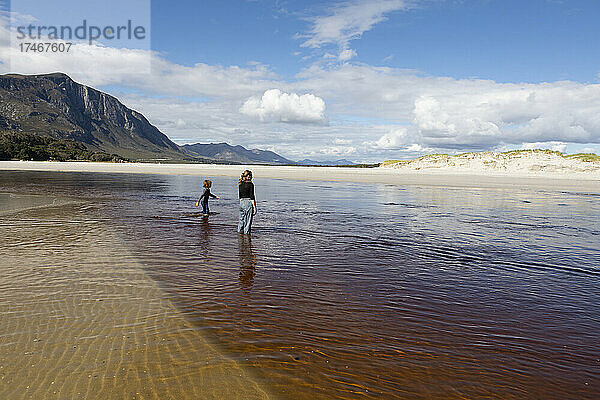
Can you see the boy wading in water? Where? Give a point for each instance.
(204, 198)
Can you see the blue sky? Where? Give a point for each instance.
(365, 80)
(504, 40)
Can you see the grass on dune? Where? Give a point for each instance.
(585, 157)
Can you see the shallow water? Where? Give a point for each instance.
(81, 319)
(369, 291)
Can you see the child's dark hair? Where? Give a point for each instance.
(207, 183)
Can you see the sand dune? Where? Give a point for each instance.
(538, 163)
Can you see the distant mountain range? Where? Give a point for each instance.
(237, 154)
(55, 106)
(341, 161)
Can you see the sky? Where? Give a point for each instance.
(362, 80)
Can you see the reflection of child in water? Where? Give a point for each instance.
(205, 195)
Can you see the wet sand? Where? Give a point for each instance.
(547, 180)
(81, 319)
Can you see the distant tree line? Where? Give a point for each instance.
(30, 147)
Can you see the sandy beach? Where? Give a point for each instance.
(583, 182)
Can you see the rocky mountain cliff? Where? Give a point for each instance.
(56, 106)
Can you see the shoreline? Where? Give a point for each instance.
(559, 181)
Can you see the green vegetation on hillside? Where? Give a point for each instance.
(586, 157)
(435, 155)
(27, 146)
(533, 151)
(390, 162)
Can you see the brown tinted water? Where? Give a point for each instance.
(349, 290)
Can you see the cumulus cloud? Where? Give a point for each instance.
(417, 148)
(275, 105)
(394, 139)
(446, 126)
(462, 114)
(510, 113)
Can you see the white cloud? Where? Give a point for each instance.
(341, 141)
(394, 139)
(345, 22)
(349, 21)
(417, 148)
(337, 150)
(555, 146)
(464, 114)
(399, 139)
(433, 120)
(489, 114)
(275, 105)
(98, 66)
(148, 71)
(346, 54)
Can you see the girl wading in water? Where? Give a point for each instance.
(247, 202)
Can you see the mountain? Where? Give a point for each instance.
(55, 106)
(234, 154)
(50, 116)
(342, 161)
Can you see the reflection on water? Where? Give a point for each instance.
(204, 240)
(247, 261)
(372, 291)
